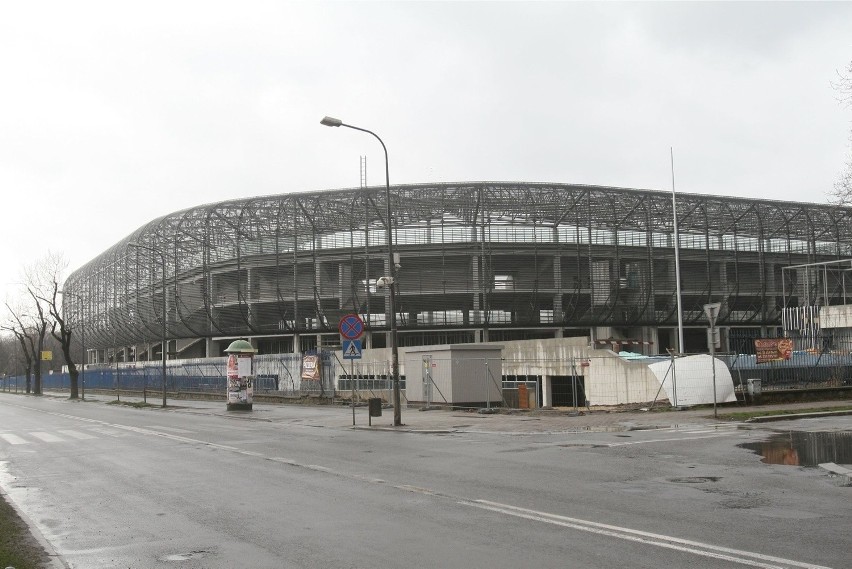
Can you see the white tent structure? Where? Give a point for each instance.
(689, 381)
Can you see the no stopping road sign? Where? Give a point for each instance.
(351, 327)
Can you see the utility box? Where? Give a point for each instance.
(754, 387)
(455, 375)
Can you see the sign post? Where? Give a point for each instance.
(713, 341)
(351, 329)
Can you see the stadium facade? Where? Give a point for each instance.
(478, 262)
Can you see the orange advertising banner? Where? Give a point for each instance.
(773, 349)
(311, 367)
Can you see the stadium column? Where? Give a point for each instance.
(546, 391)
(769, 298)
(388, 315)
(477, 286)
(724, 291)
(318, 299)
(250, 316)
(557, 296)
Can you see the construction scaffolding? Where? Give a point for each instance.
(478, 262)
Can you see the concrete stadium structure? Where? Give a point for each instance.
(478, 262)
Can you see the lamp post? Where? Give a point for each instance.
(680, 346)
(163, 314)
(397, 411)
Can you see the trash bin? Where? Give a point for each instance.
(375, 406)
(753, 386)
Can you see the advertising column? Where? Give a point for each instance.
(240, 380)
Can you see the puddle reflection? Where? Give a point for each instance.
(798, 448)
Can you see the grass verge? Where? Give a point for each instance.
(18, 547)
(134, 404)
(745, 415)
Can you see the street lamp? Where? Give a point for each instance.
(397, 410)
(165, 344)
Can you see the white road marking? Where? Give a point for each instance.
(169, 429)
(13, 439)
(648, 538)
(77, 434)
(47, 437)
(107, 431)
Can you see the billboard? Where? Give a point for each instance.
(773, 349)
(311, 367)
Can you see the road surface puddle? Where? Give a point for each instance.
(798, 448)
(185, 556)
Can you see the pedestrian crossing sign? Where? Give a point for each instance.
(351, 349)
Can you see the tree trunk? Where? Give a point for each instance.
(73, 373)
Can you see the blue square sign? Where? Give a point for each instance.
(351, 349)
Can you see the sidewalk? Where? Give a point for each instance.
(566, 420)
(501, 421)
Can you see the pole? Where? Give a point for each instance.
(352, 379)
(165, 341)
(674, 382)
(397, 404)
(713, 364)
(574, 383)
(85, 354)
(487, 387)
(677, 262)
(117, 377)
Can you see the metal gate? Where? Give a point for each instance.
(568, 391)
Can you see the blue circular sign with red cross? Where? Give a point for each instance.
(351, 327)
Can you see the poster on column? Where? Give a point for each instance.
(239, 369)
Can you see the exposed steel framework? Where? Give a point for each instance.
(511, 259)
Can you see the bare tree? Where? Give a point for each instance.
(7, 353)
(35, 318)
(23, 338)
(31, 330)
(50, 273)
(842, 191)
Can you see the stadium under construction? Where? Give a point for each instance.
(474, 262)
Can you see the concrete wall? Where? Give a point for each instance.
(835, 316)
(611, 380)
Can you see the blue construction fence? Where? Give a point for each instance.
(804, 370)
(274, 374)
(818, 360)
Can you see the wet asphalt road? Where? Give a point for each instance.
(112, 487)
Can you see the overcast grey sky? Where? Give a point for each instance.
(115, 113)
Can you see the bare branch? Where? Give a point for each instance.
(841, 193)
(843, 86)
